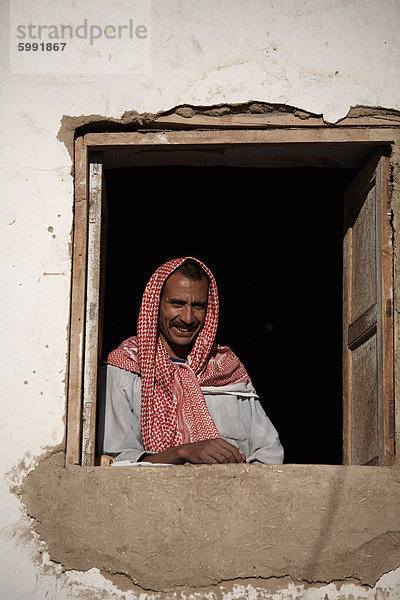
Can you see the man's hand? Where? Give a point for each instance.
(212, 451)
(206, 452)
(104, 460)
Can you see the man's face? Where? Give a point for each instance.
(183, 308)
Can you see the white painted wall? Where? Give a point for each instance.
(321, 56)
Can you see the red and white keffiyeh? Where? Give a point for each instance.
(173, 409)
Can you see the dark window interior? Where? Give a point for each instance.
(273, 239)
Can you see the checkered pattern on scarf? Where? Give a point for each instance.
(173, 409)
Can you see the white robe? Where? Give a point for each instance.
(235, 410)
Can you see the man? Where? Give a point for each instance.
(171, 395)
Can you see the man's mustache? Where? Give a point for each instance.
(185, 325)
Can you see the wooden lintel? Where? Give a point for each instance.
(238, 137)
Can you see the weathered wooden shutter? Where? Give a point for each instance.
(368, 436)
(94, 303)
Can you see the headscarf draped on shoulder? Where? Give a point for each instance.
(173, 408)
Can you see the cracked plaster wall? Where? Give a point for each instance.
(320, 57)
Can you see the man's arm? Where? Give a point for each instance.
(119, 416)
(241, 420)
(214, 451)
(119, 428)
(207, 452)
(264, 443)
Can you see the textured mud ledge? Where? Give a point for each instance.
(164, 527)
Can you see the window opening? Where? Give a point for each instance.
(270, 228)
(273, 238)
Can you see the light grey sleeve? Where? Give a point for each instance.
(263, 439)
(242, 421)
(119, 414)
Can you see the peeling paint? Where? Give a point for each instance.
(72, 126)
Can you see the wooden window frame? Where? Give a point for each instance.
(85, 282)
